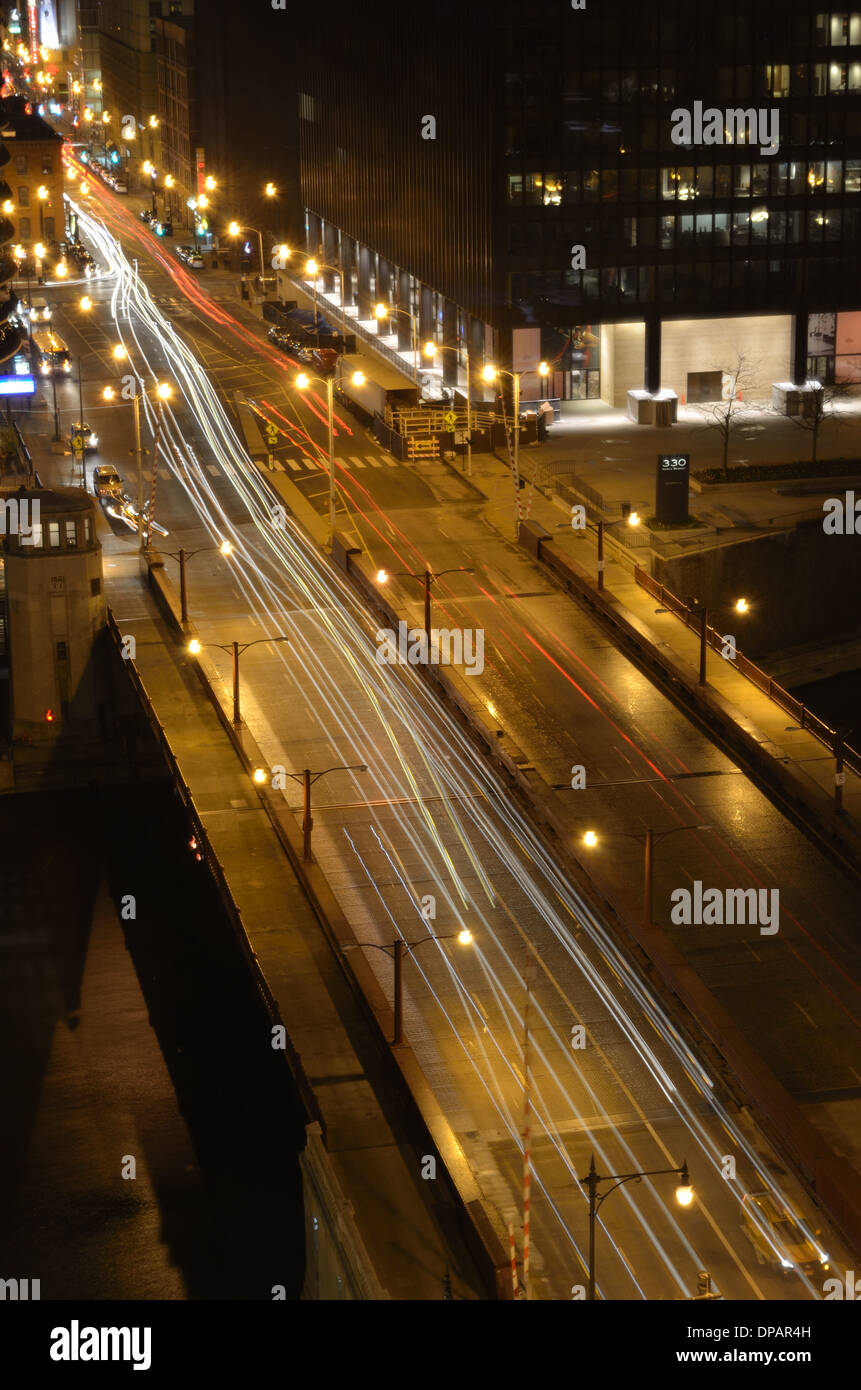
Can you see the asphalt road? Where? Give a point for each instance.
(384, 839)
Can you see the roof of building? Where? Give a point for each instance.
(56, 501)
(19, 121)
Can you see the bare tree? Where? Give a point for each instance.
(725, 415)
(816, 408)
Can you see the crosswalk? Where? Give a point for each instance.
(350, 462)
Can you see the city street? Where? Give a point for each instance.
(428, 818)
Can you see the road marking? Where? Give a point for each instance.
(294, 464)
(393, 463)
(211, 468)
(165, 475)
(354, 458)
(375, 463)
(342, 463)
(278, 466)
(806, 1014)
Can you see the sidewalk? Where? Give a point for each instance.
(811, 763)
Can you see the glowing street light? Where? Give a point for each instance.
(120, 352)
(108, 393)
(61, 270)
(164, 391)
(209, 183)
(153, 122)
(303, 381)
(684, 1197)
(270, 190)
(8, 207)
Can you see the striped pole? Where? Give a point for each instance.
(527, 1175)
(513, 1252)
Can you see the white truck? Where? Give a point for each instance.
(382, 385)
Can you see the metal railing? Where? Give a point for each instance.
(804, 717)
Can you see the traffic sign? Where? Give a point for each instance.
(450, 419)
(77, 444)
(272, 433)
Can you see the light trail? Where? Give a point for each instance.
(470, 842)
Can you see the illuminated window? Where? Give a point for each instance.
(777, 79)
(71, 533)
(53, 533)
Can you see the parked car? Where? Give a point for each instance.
(325, 359)
(107, 481)
(194, 259)
(91, 440)
(279, 337)
(145, 214)
(776, 1237)
(162, 228)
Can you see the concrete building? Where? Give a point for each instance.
(34, 174)
(54, 612)
(630, 191)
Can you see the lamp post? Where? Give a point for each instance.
(303, 381)
(308, 778)
(183, 556)
(741, 606)
(163, 391)
(235, 230)
(632, 519)
(385, 311)
(312, 268)
(235, 649)
(841, 738)
(399, 949)
(426, 578)
(489, 374)
(591, 1182)
(431, 350)
(591, 839)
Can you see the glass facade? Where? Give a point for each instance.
(589, 159)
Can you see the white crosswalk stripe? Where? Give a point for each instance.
(279, 467)
(211, 468)
(393, 463)
(375, 463)
(341, 463)
(292, 463)
(165, 475)
(354, 458)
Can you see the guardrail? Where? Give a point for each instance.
(303, 1087)
(761, 679)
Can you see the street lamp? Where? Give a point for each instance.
(303, 381)
(684, 1196)
(40, 253)
(741, 606)
(398, 950)
(426, 578)
(270, 191)
(235, 649)
(632, 519)
(163, 392)
(234, 229)
(313, 268)
(385, 311)
(489, 374)
(591, 840)
(42, 194)
(307, 778)
(183, 556)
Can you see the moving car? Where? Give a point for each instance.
(107, 481)
(38, 310)
(91, 440)
(776, 1237)
(50, 354)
